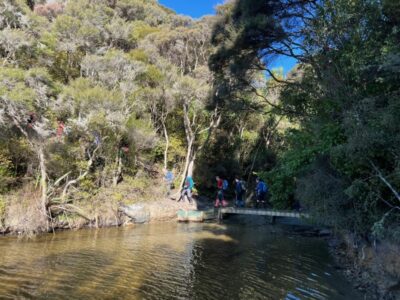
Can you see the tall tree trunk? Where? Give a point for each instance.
(43, 182)
(118, 171)
(166, 144)
(190, 138)
(188, 159)
(191, 164)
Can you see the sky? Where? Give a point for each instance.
(194, 8)
(199, 8)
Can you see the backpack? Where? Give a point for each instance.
(169, 176)
(225, 185)
(191, 182)
(264, 187)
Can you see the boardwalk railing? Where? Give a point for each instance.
(261, 212)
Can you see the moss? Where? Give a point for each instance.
(139, 55)
(117, 197)
(140, 183)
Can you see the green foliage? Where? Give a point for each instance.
(341, 161)
(5, 172)
(139, 55)
(140, 30)
(89, 80)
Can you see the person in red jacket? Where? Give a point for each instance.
(220, 192)
(60, 129)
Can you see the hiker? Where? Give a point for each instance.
(31, 119)
(240, 190)
(222, 186)
(125, 149)
(97, 138)
(60, 130)
(261, 192)
(187, 189)
(169, 179)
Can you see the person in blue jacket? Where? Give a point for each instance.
(239, 191)
(261, 192)
(169, 180)
(187, 189)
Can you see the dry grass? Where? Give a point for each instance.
(23, 213)
(101, 209)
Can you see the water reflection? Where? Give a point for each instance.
(170, 261)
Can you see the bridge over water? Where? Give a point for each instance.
(199, 216)
(262, 212)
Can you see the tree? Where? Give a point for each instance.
(339, 103)
(25, 100)
(12, 41)
(192, 97)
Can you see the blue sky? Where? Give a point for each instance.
(199, 8)
(194, 8)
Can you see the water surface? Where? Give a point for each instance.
(170, 261)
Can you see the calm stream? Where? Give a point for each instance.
(170, 261)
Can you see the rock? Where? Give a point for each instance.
(138, 213)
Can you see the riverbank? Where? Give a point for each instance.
(140, 200)
(374, 270)
(164, 210)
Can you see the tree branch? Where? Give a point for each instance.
(387, 183)
(81, 176)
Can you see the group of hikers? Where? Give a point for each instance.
(222, 186)
(240, 188)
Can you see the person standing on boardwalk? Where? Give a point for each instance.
(261, 192)
(240, 190)
(222, 185)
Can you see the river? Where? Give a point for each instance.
(237, 260)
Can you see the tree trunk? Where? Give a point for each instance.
(188, 159)
(190, 138)
(118, 172)
(191, 164)
(43, 183)
(166, 144)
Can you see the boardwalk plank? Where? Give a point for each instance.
(263, 212)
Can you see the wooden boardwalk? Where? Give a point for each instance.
(261, 212)
(218, 213)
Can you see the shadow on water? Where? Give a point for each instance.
(236, 260)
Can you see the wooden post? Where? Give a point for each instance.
(273, 220)
(219, 215)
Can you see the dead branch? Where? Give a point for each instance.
(71, 209)
(81, 176)
(387, 183)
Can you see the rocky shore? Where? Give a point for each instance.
(374, 270)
